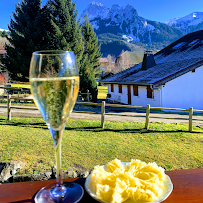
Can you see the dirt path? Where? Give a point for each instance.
(113, 116)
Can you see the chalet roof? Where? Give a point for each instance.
(2, 50)
(103, 60)
(173, 61)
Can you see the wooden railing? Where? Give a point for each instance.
(103, 106)
(188, 184)
(16, 89)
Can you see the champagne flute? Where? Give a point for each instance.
(54, 81)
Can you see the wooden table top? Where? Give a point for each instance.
(187, 183)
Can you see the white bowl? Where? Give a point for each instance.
(167, 191)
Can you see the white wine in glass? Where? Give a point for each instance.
(54, 81)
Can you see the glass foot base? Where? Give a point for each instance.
(72, 194)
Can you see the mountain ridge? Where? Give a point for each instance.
(122, 24)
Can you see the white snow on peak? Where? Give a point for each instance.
(191, 16)
(116, 13)
(127, 38)
(171, 21)
(122, 12)
(145, 24)
(95, 10)
(135, 38)
(150, 27)
(3, 30)
(94, 25)
(95, 3)
(193, 19)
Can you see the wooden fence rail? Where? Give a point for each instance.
(103, 105)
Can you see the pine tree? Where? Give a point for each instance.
(65, 27)
(53, 27)
(24, 38)
(90, 60)
(4, 34)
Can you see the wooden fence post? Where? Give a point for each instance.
(102, 114)
(190, 118)
(9, 107)
(88, 96)
(147, 117)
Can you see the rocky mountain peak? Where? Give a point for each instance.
(123, 11)
(95, 10)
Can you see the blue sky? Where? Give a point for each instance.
(157, 10)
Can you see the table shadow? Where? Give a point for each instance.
(24, 201)
(85, 199)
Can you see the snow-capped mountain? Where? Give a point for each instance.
(188, 23)
(95, 10)
(116, 12)
(122, 19)
(123, 23)
(3, 30)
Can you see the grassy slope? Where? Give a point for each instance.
(85, 143)
(3, 41)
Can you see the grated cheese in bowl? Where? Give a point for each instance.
(133, 181)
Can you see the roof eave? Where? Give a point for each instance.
(128, 83)
(177, 74)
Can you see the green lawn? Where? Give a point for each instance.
(20, 85)
(102, 92)
(85, 143)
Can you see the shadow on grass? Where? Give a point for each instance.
(140, 130)
(93, 129)
(21, 124)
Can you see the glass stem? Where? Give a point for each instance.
(57, 137)
(59, 191)
(59, 174)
